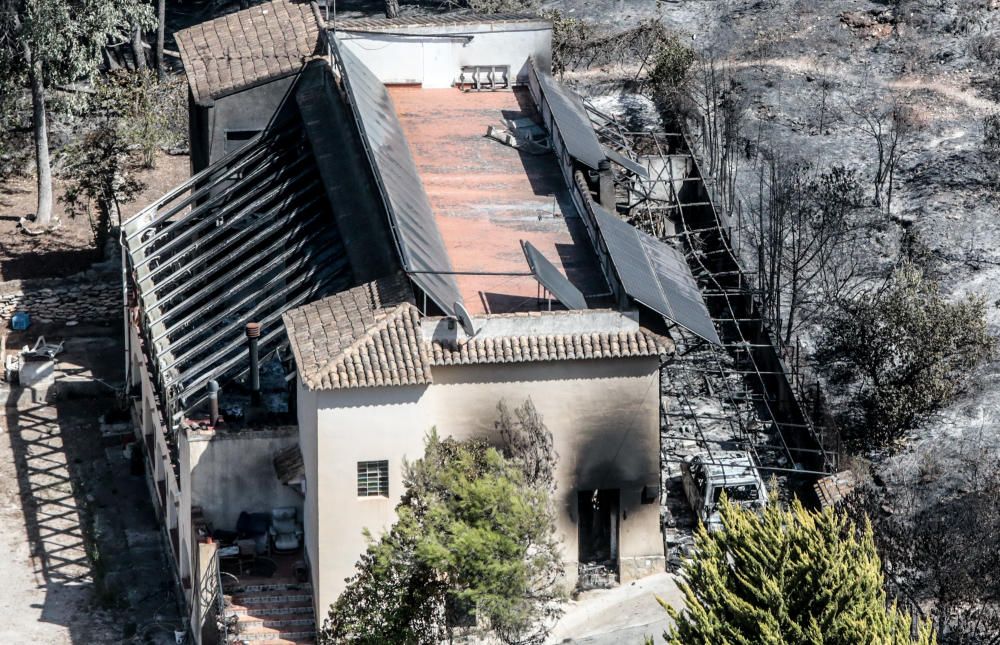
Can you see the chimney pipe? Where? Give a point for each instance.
(213, 402)
(253, 333)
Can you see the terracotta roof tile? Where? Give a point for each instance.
(242, 49)
(553, 347)
(371, 336)
(366, 336)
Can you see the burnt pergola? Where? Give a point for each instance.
(243, 241)
(661, 190)
(246, 239)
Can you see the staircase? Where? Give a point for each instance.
(271, 614)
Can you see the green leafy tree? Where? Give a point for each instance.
(15, 147)
(672, 62)
(787, 577)
(44, 43)
(473, 536)
(903, 351)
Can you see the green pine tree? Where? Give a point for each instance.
(475, 533)
(788, 576)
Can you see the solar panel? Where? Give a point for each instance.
(423, 252)
(656, 275)
(627, 163)
(550, 277)
(571, 118)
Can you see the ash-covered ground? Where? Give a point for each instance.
(799, 63)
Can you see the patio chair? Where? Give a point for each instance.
(255, 526)
(286, 532)
(247, 555)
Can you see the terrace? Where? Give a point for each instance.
(486, 196)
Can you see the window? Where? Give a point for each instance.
(373, 478)
(742, 493)
(236, 139)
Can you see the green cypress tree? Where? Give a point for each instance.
(787, 577)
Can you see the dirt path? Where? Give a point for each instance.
(844, 74)
(70, 248)
(84, 559)
(48, 594)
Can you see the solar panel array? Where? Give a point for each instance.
(655, 274)
(571, 118)
(552, 279)
(423, 252)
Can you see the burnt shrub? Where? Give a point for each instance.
(901, 352)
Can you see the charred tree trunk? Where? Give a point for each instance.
(391, 8)
(43, 215)
(161, 19)
(138, 50)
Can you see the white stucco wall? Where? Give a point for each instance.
(234, 472)
(604, 417)
(434, 56)
(308, 440)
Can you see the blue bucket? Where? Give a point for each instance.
(20, 321)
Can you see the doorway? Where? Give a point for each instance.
(598, 527)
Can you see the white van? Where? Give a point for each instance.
(707, 475)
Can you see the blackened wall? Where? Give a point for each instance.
(249, 110)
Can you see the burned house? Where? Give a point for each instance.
(416, 222)
(239, 68)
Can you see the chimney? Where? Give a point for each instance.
(606, 185)
(253, 333)
(213, 402)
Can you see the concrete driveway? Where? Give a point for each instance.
(625, 614)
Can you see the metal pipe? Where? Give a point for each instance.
(253, 336)
(213, 401)
(125, 314)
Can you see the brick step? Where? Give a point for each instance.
(270, 598)
(276, 586)
(248, 622)
(256, 634)
(275, 609)
(285, 641)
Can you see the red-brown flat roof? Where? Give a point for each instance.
(487, 196)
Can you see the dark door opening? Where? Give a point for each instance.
(598, 530)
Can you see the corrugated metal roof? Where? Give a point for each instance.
(422, 250)
(550, 277)
(656, 275)
(571, 118)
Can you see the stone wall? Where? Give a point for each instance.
(94, 295)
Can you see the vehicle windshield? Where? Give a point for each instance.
(743, 493)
